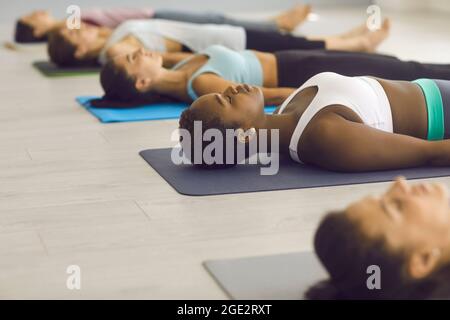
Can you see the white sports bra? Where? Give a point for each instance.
(365, 96)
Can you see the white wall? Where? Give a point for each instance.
(11, 9)
(440, 5)
(410, 5)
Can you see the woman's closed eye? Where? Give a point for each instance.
(227, 97)
(130, 58)
(397, 204)
(393, 208)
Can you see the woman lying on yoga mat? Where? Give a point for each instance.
(405, 232)
(90, 44)
(140, 76)
(350, 124)
(36, 26)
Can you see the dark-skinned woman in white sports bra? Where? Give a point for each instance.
(342, 123)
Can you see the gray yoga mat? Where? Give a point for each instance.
(193, 181)
(278, 277)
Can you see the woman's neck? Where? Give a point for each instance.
(105, 32)
(445, 252)
(284, 123)
(172, 83)
(55, 25)
(103, 35)
(96, 49)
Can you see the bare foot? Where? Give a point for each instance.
(289, 20)
(367, 42)
(362, 30)
(372, 39)
(358, 31)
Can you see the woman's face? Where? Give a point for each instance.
(41, 21)
(140, 64)
(240, 105)
(84, 37)
(409, 217)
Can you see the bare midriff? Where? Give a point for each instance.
(269, 67)
(408, 107)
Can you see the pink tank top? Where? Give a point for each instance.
(111, 18)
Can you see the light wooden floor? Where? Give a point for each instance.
(74, 191)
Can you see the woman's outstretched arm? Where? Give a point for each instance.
(211, 83)
(338, 144)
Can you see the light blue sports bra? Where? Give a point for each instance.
(235, 66)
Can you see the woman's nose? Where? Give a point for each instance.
(240, 88)
(400, 185)
(232, 89)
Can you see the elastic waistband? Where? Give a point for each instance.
(435, 108)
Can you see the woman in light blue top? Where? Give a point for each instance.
(235, 66)
(145, 76)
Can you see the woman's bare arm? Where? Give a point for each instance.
(338, 144)
(212, 83)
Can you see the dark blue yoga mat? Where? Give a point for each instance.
(193, 181)
(160, 111)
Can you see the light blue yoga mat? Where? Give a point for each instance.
(159, 111)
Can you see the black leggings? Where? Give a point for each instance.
(297, 66)
(272, 41)
(444, 89)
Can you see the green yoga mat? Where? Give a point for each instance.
(49, 69)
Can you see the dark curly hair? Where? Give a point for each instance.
(187, 120)
(24, 33)
(346, 252)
